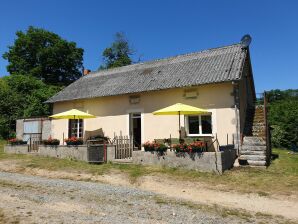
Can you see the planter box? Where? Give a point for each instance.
(16, 149)
(64, 152)
(92, 153)
(205, 161)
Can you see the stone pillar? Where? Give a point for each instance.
(20, 128)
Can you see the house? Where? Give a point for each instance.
(123, 99)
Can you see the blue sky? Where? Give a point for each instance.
(159, 29)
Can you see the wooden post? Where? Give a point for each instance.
(216, 142)
(30, 142)
(179, 127)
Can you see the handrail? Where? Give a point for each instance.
(216, 140)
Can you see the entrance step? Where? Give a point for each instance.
(122, 161)
(257, 163)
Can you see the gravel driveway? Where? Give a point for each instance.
(33, 199)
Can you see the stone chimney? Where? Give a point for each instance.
(86, 71)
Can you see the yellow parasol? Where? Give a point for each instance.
(180, 109)
(73, 114)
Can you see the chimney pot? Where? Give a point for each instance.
(86, 71)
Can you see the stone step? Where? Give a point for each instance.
(122, 161)
(253, 148)
(259, 134)
(252, 140)
(258, 127)
(258, 131)
(253, 157)
(247, 152)
(259, 118)
(256, 163)
(260, 113)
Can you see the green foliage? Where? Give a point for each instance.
(44, 55)
(278, 136)
(22, 96)
(118, 54)
(283, 117)
(40, 63)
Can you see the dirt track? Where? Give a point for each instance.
(178, 190)
(33, 199)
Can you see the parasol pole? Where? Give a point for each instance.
(179, 127)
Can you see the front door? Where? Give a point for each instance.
(135, 129)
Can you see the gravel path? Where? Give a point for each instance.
(33, 199)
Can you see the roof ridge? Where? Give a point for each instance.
(132, 66)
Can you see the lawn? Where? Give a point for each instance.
(281, 177)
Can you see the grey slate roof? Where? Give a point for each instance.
(210, 66)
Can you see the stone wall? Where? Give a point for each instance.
(111, 153)
(206, 161)
(19, 128)
(16, 149)
(80, 152)
(64, 152)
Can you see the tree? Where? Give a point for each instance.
(44, 55)
(283, 110)
(119, 54)
(22, 97)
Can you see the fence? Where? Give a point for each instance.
(34, 141)
(124, 147)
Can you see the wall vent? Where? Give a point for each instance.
(134, 99)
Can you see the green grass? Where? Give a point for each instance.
(281, 177)
(224, 212)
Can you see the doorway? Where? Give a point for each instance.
(135, 130)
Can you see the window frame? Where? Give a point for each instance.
(78, 127)
(200, 125)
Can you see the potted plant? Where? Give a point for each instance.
(51, 141)
(15, 141)
(196, 147)
(159, 148)
(148, 146)
(180, 148)
(74, 141)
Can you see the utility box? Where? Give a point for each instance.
(96, 153)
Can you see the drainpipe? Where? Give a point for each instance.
(236, 108)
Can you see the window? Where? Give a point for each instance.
(206, 124)
(199, 125)
(193, 125)
(75, 128)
